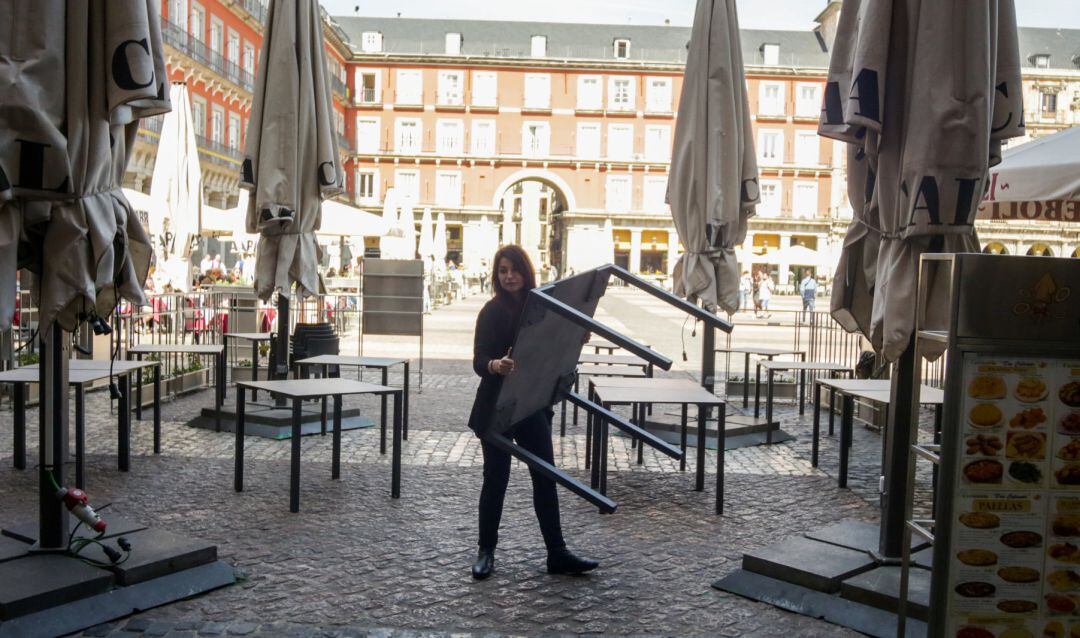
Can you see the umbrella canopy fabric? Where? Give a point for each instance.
(426, 249)
(440, 242)
(348, 221)
(388, 243)
(407, 226)
(291, 162)
(923, 135)
(176, 190)
(73, 86)
(1037, 180)
(713, 185)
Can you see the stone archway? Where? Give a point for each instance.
(532, 204)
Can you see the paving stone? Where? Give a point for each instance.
(99, 631)
(242, 629)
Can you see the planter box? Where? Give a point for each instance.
(186, 382)
(786, 390)
(243, 373)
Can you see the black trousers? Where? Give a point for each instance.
(533, 434)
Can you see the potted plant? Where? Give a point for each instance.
(784, 386)
(242, 371)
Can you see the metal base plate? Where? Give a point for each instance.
(808, 563)
(39, 581)
(11, 548)
(880, 587)
(276, 423)
(156, 553)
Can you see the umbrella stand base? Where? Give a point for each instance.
(55, 594)
(832, 574)
(271, 422)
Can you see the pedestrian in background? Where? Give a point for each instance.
(765, 291)
(808, 291)
(496, 329)
(746, 285)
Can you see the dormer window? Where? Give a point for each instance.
(539, 46)
(1041, 60)
(622, 49)
(371, 42)
(770, 54)
(453, 44)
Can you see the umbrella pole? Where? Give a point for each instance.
(281, 367)
(53, 441)
(897, 443)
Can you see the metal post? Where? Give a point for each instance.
(281, 345)
(897, 444)
(708, 358)
(53, 443)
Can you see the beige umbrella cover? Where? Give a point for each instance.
(407, 224)
(713, 185)
(73, 86)
(427, 239)
(291, 161)
(440, 242)
(388, 243)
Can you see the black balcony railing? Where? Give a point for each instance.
(367, 96)
(339, 87)
(214, 151)
(344, 142)
(198, 51)
(257, 10)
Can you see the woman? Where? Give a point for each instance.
(496, 328)
(765, 291)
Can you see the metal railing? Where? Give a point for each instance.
(197, 50)
(339, 87)
(208, 145)
(366, 96)
(256, 8)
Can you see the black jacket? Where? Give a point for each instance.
(496, 329)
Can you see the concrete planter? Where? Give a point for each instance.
(186, 382)
(243, 373)
(785, 390)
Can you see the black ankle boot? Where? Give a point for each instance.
(484, 565)
(561, 561)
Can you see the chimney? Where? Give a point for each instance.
(827, 23)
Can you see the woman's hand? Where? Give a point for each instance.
(503, 366)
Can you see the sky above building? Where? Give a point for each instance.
(753, 14)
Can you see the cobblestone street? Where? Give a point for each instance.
(356, 562)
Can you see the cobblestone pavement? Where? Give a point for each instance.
(355, 562)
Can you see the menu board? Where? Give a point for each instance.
(1014, 568)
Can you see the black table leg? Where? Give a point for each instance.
(399, 432)
(123, 417)
(682, 439)
(588, 434)
(238, 453)
(703, 420)
(405, 402)
(138, 389)
(335, 462)
(746, 382)
(322, 415)
(845, 436)
(157, 409)
(815, 442)
(382, 412)
(219, 396)
(254, 367)
(602, 446)
(641, 424)
(223, 362)
(721, 445)
(294, 472)
(832, 411)
(802, 392)
(19, 405)
(769, 408)
(80, 437)
(575, 421)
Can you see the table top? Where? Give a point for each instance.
(31, 374)
(315, 388)
(251, 336)
(850, 385)
(177, 348)
(802, 365)
(880, 390)
(624, 359)
(765, 352)
(348, 360)
(610, 370)
(691, 393)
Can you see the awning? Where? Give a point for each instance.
(348, 221)
(1039, 180)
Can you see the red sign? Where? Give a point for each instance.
(1055, 210)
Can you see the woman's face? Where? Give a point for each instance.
(509, 278)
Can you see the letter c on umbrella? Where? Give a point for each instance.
(121, 68)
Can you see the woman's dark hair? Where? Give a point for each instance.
(521, 262)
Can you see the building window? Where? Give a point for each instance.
(590, 96)
(771, 146)
(622, 49)
(453, 44)
(770, 199)
(770, 98)
(178, 13)
(249, 58)
(537, 91)
(808, 100)
(539, 46)
(658, 143)
(805, 201)
(407, 184)
(410, 89)
(1049, 103)
(407, 136)
(367, 186)
(485, 88)
(449, 137)
(536, 139)
(217, 35)
(217, 124)
(451, 88)
(619, 191)
(588, 140)
(367, 87)
(807, 148)
(620, 142)
(232, 51)
(234, 131)
(367, 136)
(483, 137)
(198, 114)
(770, 54)
(448, 189)
(1042, 61)
(621, 94)
(197, 24)
(658, 95)
(371, 42)
(655, 194)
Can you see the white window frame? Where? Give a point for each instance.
(535, 96)
(447, 95)
(770, 54)
(485, 88)
(538, 46)
(400, 147)
(614, 200)
(217, 124)
(803, 205)
(543, 149)
(234, 127)
(777, 157)
(654, 192)
(589, 144)
(658, 100)
(618, 100)
(373, 196)
(217, 35)
(807, 148)
(232, 46)
(807, 106)
(448, 195)
(406, 93)
(358, 84)
(771, 206)
(770, 106)
(399, 186)
(197, 22)
(590, 99)
(658, 149)
(366, 143)
(198, 114)
(453, 43)
(247, 59)
(615, 49)
(448, 144)
(1041, 61)
(615, 151)
(371, 42)
(179, 8)
(483, 144)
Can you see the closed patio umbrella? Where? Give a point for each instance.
(291, 161)
(388, 243)
(713, 185)
(427, 239)
(176, 190)
(407, 225)
(440, 242)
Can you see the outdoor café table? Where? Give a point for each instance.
(873, 390)
(382, 364)
(768, 353)
(603, 344)
(642, 392)
(802, 367)
(300, 390)
(79, 375)
(605, 365)
(255, 338)
(217, 351)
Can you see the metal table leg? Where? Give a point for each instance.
(80, 437)
(703, 418)
(682, 438)
(123, 417)
(335, 462)
(832, 411)
(138, 389)
(382, 413)
(589, 433)
(405, 402)
(769, 408)
(218, 395)
(815, 443)
(721, 444)
(802, 392)
(746, 382)
(757, 391)
(399, 434)
(157, 409)
(602, 448)
(238, 450)
(845, 436)
(19, 406)
(294, 470)
(641, 423)
(254, 367)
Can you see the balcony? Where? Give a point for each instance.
(218, 153)
(367, 96)
(340, 88)
(256, 8)
(344, 143)
(197, 50)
